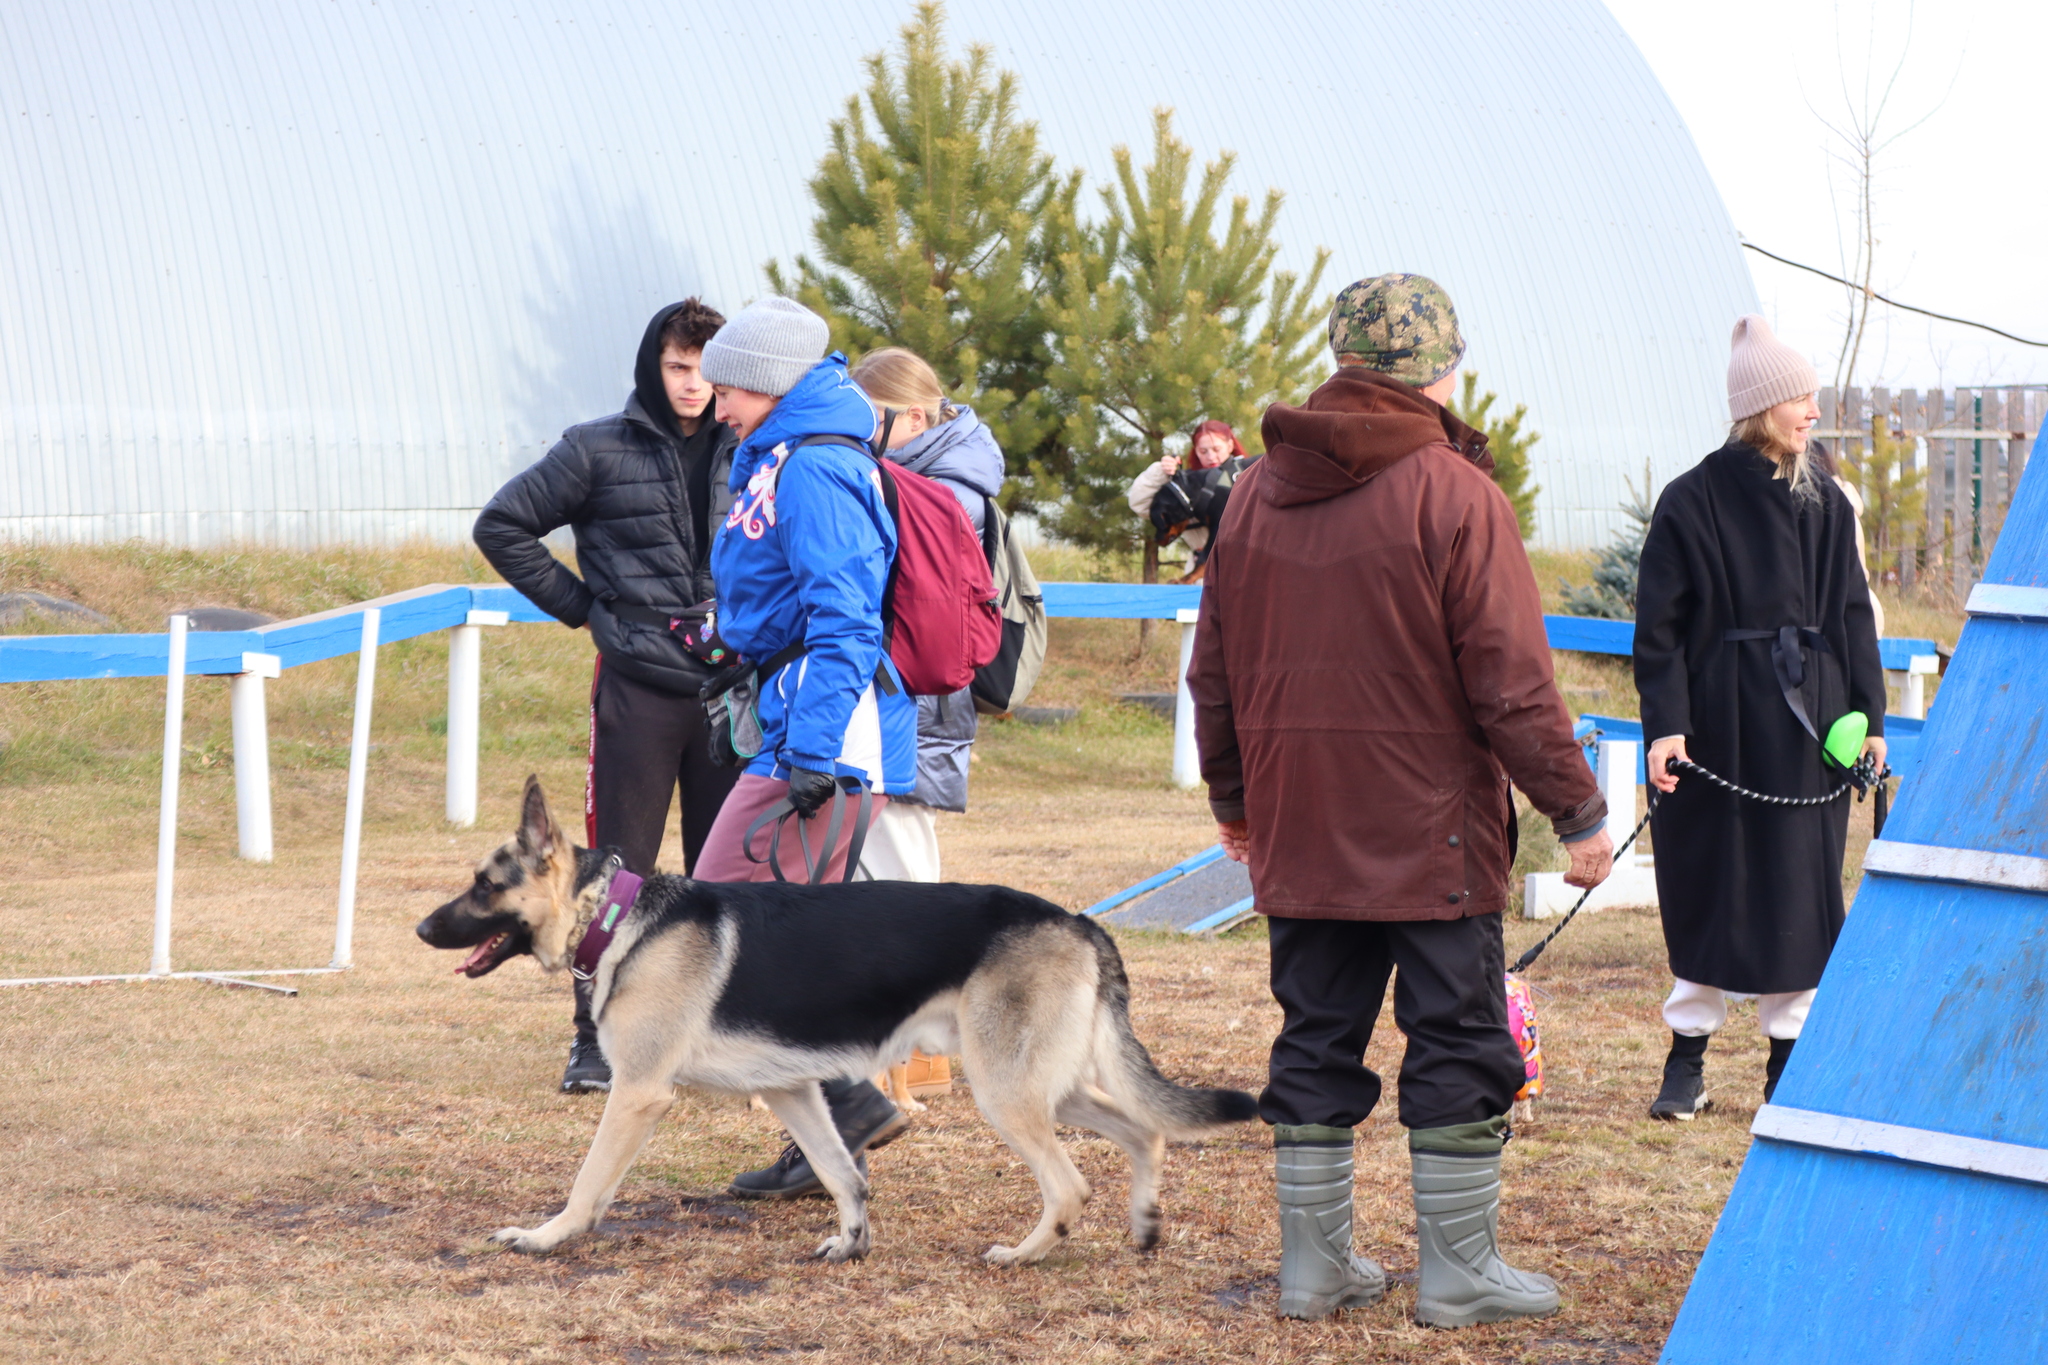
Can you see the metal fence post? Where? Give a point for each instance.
(250, 719)
(167, 803)
(465, 700)
(358, 764)
(1187, 761)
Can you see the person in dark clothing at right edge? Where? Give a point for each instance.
(644, 491)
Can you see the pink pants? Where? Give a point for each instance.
(724, 859)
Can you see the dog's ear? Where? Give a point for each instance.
(540, 838)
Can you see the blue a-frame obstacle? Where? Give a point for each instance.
(1894, 1206)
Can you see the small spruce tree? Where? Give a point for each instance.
(1166, 316)
(1507, 443)
(1612, 593)
(938, 216)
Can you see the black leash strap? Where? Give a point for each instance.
(1522, 962)
(779, 814)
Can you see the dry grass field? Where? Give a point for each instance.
(198, 1173)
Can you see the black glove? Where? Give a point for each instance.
(808, 790)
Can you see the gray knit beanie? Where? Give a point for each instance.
(1763, 371)
(766, 347)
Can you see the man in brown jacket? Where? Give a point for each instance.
(1369, 674)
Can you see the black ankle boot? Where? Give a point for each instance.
(1685, 1086)
(1781, 1053)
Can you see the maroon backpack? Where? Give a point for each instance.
(939, 611)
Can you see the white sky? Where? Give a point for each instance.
(1961, 203)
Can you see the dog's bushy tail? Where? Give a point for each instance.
(1180, 1111)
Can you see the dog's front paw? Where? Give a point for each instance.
(842, 1248)
(1004, 1256)
(520, 1239)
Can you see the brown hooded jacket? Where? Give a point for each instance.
(1371, 666)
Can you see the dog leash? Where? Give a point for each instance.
(1860, 777)
(778, 815)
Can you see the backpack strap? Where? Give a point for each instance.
(890, 501)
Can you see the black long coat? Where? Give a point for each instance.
(1752, 894)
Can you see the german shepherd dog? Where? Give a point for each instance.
(773, 987)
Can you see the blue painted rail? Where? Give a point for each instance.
(439, 606)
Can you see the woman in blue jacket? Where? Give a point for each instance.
(803, 557)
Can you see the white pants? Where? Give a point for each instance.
(903, 844)
(1694, 1010)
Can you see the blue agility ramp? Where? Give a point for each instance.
(1204, 894)
(1894, 1204)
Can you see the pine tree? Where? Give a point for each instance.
(1160, 321)
(937, 216)
(1894, 498)
(1509, 446)
(1612, 593)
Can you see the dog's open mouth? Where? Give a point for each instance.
(492, 953)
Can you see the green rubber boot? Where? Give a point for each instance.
(1457, 1215)
(1319, 1272)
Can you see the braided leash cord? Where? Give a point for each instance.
(1860, 777)
(1522, 962)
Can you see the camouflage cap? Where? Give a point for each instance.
(1401, 325)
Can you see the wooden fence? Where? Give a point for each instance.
(1959, 455)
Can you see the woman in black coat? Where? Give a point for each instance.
(1754, 634)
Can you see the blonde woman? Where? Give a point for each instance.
(927, 435)
(1754, 634)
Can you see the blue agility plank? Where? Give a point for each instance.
(1894, 1205)
(1156, 880)
(1590, 635)
(508, 599)
(1897, 653)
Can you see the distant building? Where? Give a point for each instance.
(305, 273)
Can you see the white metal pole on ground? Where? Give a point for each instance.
(465, 685)
(251, 725)
(1187, 761)
(167, 806)
(358, 764)
(1616, 762)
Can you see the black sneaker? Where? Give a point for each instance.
(865, 1119)
(790, 1177)
(1685, 1084)
(587, 1070)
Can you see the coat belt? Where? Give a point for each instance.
(1788, 661)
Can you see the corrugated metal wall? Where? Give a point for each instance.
(308, 272)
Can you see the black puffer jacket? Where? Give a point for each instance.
(619, 483)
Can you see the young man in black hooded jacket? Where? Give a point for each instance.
(644, 491)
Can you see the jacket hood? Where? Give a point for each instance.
(1357, 424)
(825, 402)
(648, 391)
(962, 451)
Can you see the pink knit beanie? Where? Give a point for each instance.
(1763, 371)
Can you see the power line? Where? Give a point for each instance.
(1924, 312)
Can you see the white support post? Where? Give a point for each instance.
(251, 723)
(465, 698)
(1913, 696)
(1187, 760)
(167, 803)
(1616, 763)
(358, 765)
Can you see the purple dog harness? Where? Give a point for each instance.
(619, 896)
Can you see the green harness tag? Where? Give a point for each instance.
(1844, 743)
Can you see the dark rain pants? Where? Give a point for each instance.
(1450, 1000)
